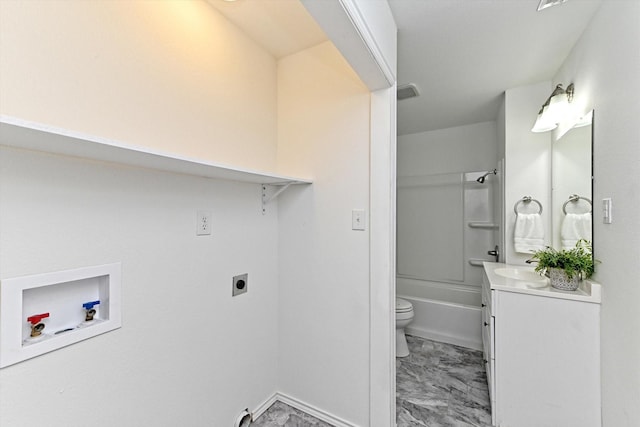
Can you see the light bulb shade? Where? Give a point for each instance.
(584, 120)
(558, 106)
(555, 110)
(544, 122)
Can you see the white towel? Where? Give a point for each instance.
(574, 228)
(528, 235)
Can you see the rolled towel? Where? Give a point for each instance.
(528, 235)
(575, 227)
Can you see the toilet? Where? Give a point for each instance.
(404, 316)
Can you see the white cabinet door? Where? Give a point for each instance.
(547, 362)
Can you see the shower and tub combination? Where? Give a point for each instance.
(448, 225)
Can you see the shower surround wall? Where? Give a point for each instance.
(436, 203)
(445, 225)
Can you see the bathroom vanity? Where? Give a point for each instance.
(541, 349)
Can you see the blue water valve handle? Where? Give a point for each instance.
(89, 305)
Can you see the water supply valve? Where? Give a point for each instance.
(90, 312)
(36, 324)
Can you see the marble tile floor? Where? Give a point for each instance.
(441, 385)
(280, 414)
(437, 385)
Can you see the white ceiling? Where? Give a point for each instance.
(282, 27)
(462, 54)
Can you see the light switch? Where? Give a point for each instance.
(358, 220)
(607, 216)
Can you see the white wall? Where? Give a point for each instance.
(366, 35)
(136, 72)
(324, 279)
(187, 351)
(499, 185)
(459, 149)
(382, 260)
(527, 162)
(176, 76)
(172, 75)
(605, 67)
(501, 129)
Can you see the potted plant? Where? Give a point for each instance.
(565, 268)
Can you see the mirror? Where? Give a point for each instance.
(572, 185)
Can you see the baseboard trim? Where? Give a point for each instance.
(448, 339)
(264, 406)
(301, 406)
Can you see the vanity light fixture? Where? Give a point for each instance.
(543, 121)
(585, 120)
(554, 110)
(559, 102)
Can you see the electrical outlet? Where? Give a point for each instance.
(203, 223)
(240, 284)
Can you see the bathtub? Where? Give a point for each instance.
(443, 312)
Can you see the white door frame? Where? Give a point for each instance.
(366, 35)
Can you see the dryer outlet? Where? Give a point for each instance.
(240, 284)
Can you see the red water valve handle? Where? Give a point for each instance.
(36, 318)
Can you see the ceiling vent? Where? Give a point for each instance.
(549, 3)
(407, 91)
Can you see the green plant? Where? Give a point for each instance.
(575, 261)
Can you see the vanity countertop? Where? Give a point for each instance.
(588, 291)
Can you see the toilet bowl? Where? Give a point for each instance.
(404, 316)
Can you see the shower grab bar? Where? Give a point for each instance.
(484, 225)
(575, 198)
(527, 199)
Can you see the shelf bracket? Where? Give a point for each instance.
(268, 198)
